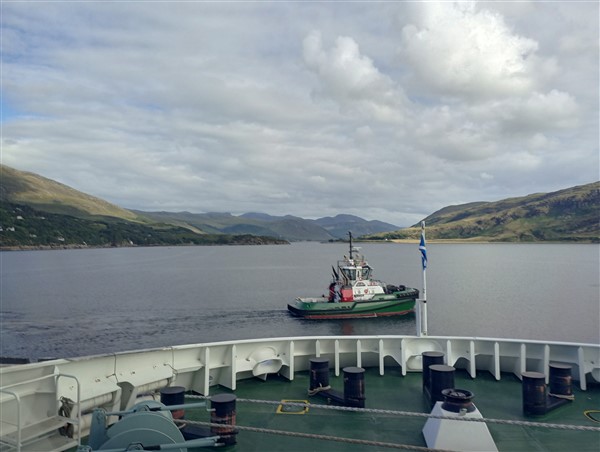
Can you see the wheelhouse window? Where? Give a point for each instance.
(366, 272)
(349, 273)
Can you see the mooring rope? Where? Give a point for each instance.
(561, 396)
(415, 414)
(315, 391)
(363, 442)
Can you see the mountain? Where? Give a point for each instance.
(572, 214)
(21, 187)
(339, 226)
(51, 213)
(38, 212)
(44, 212)
(286, 227)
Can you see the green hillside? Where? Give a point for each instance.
(570, 215)
(287, 227)
(36, 212)
(24, 227)
(20, 187)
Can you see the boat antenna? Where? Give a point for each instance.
(350, 235)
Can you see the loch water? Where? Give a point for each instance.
(66, 303)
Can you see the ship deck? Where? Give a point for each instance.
(384, 421)
(395, 410)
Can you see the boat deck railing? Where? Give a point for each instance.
(31, 395)
(29, 414)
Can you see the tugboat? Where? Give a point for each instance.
(354, 294)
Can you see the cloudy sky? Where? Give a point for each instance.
(385, 110)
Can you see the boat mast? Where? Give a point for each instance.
(350, 235)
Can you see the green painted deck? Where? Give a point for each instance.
(494, 399)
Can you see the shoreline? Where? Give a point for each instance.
(481, 241)
(400, 241)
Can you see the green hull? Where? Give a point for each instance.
(399, 303)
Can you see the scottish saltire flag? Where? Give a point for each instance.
(423, 251)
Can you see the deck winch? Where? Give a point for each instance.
(150, 425)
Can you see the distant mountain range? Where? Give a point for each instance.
(36, 211)
(287, 227)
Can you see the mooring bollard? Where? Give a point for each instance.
(534, 393)
(428, 359)
(223, 412)
(319, 374)
(173, 395)
(354, 387)
(561, 381)
(442, 377)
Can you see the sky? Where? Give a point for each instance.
(384, 110)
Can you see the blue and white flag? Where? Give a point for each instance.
(423, 251)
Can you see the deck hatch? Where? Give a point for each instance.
(286, 407)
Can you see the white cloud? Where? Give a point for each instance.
(351, 78)
(459, 49)
(293, 108)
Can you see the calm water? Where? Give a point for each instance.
(81, 302)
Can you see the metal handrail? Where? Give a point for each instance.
(78, 403)
(18, 424)
(18, 400)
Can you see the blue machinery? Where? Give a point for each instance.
(150, 425)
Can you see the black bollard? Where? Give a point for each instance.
(354, 387)
(534, 393)
(428, 359)
(561, 381)
(319, 374)
(223, 412)
(442, 377)
(173, 395)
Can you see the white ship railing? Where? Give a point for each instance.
(117, 381)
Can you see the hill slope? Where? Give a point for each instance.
(42, 203)
(38, 212)
(339, 226)
(287, 227)
(22, 227)
(21, 187)
(565, 215)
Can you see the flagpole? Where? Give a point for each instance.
(423, 304)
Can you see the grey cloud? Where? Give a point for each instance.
(384, 110)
